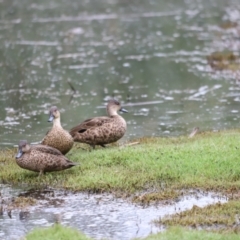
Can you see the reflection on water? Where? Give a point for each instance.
(99, 216)
(151, 55)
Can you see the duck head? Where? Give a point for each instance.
(114, 106)
(23, 147)
(53, 113)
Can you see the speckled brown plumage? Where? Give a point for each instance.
(41, 158)
(57, 137)
(101, 130)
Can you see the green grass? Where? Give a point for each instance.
(177, 233)
(59, 232)
(56, 232)
(207, 161)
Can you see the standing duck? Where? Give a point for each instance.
(41, 158)
(57, 137)
(102, 130)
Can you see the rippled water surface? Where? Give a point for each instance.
(98, 216)
(151, 55)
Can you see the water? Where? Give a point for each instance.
(151, 55)
(100, 216)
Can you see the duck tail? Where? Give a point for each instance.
(76, 163)
(73, 163)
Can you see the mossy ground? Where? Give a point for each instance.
(222, 217)
(224, 60)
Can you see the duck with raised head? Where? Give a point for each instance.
(41, 158)
(57, 137)
(102, 130)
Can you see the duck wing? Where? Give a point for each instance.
(47, 149)
(90, 123)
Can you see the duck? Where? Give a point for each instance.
(102, 130)
(57, 137)
(41, 158)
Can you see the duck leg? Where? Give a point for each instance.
(40, 173)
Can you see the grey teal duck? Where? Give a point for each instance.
(41, 158)
(102, 130)
(57, 137)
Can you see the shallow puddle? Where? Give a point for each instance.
(98, 216)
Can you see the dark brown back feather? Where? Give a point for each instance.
(47, 149)
(90, 123)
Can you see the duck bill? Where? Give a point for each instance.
(19, 154)
(123, 110)
(51, 117)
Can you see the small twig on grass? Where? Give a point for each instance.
(194, 132)
(129, 144)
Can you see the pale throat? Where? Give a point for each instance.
(57, 122)
(112, 112)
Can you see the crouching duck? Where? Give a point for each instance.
(41, 158)
(102, 130)
(57, 137)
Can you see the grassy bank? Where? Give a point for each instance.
(207, 161)
(59, 232)
(154, 169)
